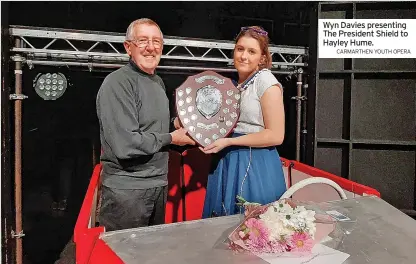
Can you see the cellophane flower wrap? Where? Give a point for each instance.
(278, 227)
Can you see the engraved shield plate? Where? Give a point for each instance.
(208, 101)
(208, 106)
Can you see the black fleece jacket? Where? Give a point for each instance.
(133, 113)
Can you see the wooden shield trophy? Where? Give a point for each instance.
(208, 106)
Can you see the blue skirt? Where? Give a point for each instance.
(256, 174)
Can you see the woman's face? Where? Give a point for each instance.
(247, 55)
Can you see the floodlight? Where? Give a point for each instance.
(50, 86)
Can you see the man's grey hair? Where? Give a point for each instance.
(141, 21)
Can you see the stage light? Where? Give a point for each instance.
(50, 86)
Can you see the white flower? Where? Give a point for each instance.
(277, 230)
(282, 220)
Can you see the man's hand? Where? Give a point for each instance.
(181, 138)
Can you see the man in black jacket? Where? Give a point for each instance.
(133, 113)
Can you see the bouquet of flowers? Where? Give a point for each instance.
(278, 227)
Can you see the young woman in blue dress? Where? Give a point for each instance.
(247, 163)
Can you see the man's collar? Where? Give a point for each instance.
(134, 66)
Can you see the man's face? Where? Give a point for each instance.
(146, 47)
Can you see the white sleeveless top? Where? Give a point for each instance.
(251, 116)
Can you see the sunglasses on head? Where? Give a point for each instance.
(257, 30)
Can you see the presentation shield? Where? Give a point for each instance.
(208, 106)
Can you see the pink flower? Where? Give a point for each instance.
(276, 247)
(301, 242)
(258, 235)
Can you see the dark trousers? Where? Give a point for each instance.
(123, 209)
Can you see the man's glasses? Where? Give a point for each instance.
(143, 42)
(258, 30)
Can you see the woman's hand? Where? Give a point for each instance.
(217, 146)
(176, 123)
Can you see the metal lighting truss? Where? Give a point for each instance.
(67, 47)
